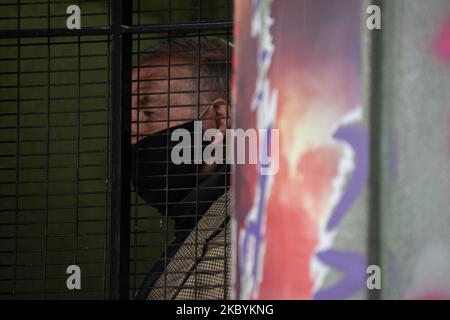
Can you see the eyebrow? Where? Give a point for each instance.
(145, 100)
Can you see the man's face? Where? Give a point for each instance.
(158, 104)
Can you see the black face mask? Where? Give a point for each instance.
(157, 180)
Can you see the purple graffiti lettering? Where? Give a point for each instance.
(256, 4)
(260, 96)
(356, 136)
(353, 268)
(264, 55)
(351, 264)
(254, 232)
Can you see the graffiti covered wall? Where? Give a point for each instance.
(297, 67)
(331, 86)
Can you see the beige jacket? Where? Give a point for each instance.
(201, 267)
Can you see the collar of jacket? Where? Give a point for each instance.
(189, 210)
(192, 250)
(186, 214)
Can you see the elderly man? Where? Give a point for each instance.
(176, 83)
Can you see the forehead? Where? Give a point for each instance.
(152, 75)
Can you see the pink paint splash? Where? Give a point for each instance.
(443, 43)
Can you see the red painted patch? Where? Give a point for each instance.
(443, 43)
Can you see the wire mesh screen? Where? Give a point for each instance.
(54, 153)
(71, 103)
(179, 77)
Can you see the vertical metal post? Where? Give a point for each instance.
(374, 51)
(121, 114)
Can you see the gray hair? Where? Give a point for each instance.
(210, 54)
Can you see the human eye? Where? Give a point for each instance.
(149, 114)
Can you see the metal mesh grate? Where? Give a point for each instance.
(177, 57)
(54, 154)
(65, 168)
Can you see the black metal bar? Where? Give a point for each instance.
(125, 28)
(121, 116)
(107, 173)
(17, 155)
(35, 33)
(195, 26)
